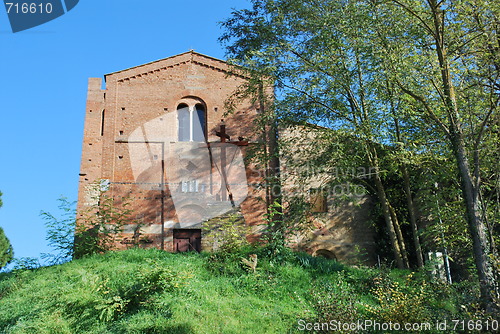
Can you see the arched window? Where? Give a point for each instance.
(199, 123)
(184, 122)
(191, 121)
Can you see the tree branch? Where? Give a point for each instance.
(426, 106)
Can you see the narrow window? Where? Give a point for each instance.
(102, 123)
(199, 123)
(183, 119)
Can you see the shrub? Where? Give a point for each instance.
(227, 232)
(60, 232)
(335, 299)
(153, 279)
(400, 303)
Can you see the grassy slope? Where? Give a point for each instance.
(148, 291)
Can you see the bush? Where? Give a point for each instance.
(336, 300)
(228, 232)
(400, 303)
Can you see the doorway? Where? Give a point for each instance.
(187, 240)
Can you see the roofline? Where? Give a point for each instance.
(162, 59)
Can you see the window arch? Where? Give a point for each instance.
(191, 120)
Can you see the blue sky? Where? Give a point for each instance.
(43, 75)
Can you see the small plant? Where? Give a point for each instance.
(274, 236)
(250, 263)
(150, 281)
(111, 308)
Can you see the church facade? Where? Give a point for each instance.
(158, 137)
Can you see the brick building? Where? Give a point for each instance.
(157, 134)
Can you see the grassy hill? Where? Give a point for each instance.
(149, 291)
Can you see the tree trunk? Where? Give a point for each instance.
(470, 191)
(413, 217)
(477, 229)
(273, 182)
(399, 234)
(379, 186)
(409, 202)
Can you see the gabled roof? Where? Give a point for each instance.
(163, 64)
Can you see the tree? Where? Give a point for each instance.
(324, 73)
(448, 43)
(332, 62)
(6, 250)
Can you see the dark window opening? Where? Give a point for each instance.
(102, 123)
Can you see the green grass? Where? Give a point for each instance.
(149, 291)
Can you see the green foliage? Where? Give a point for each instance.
(99, 225)
(151, 280)
(150, 291)
(318, 264)
(361, 67)
(274, 236)
(400, 303)
(228, 232)
(336, 299)
(6, 250)
(26, 263)
(94, 232)
(60, 232)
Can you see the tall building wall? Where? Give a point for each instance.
(133, 125)
(137, 143)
